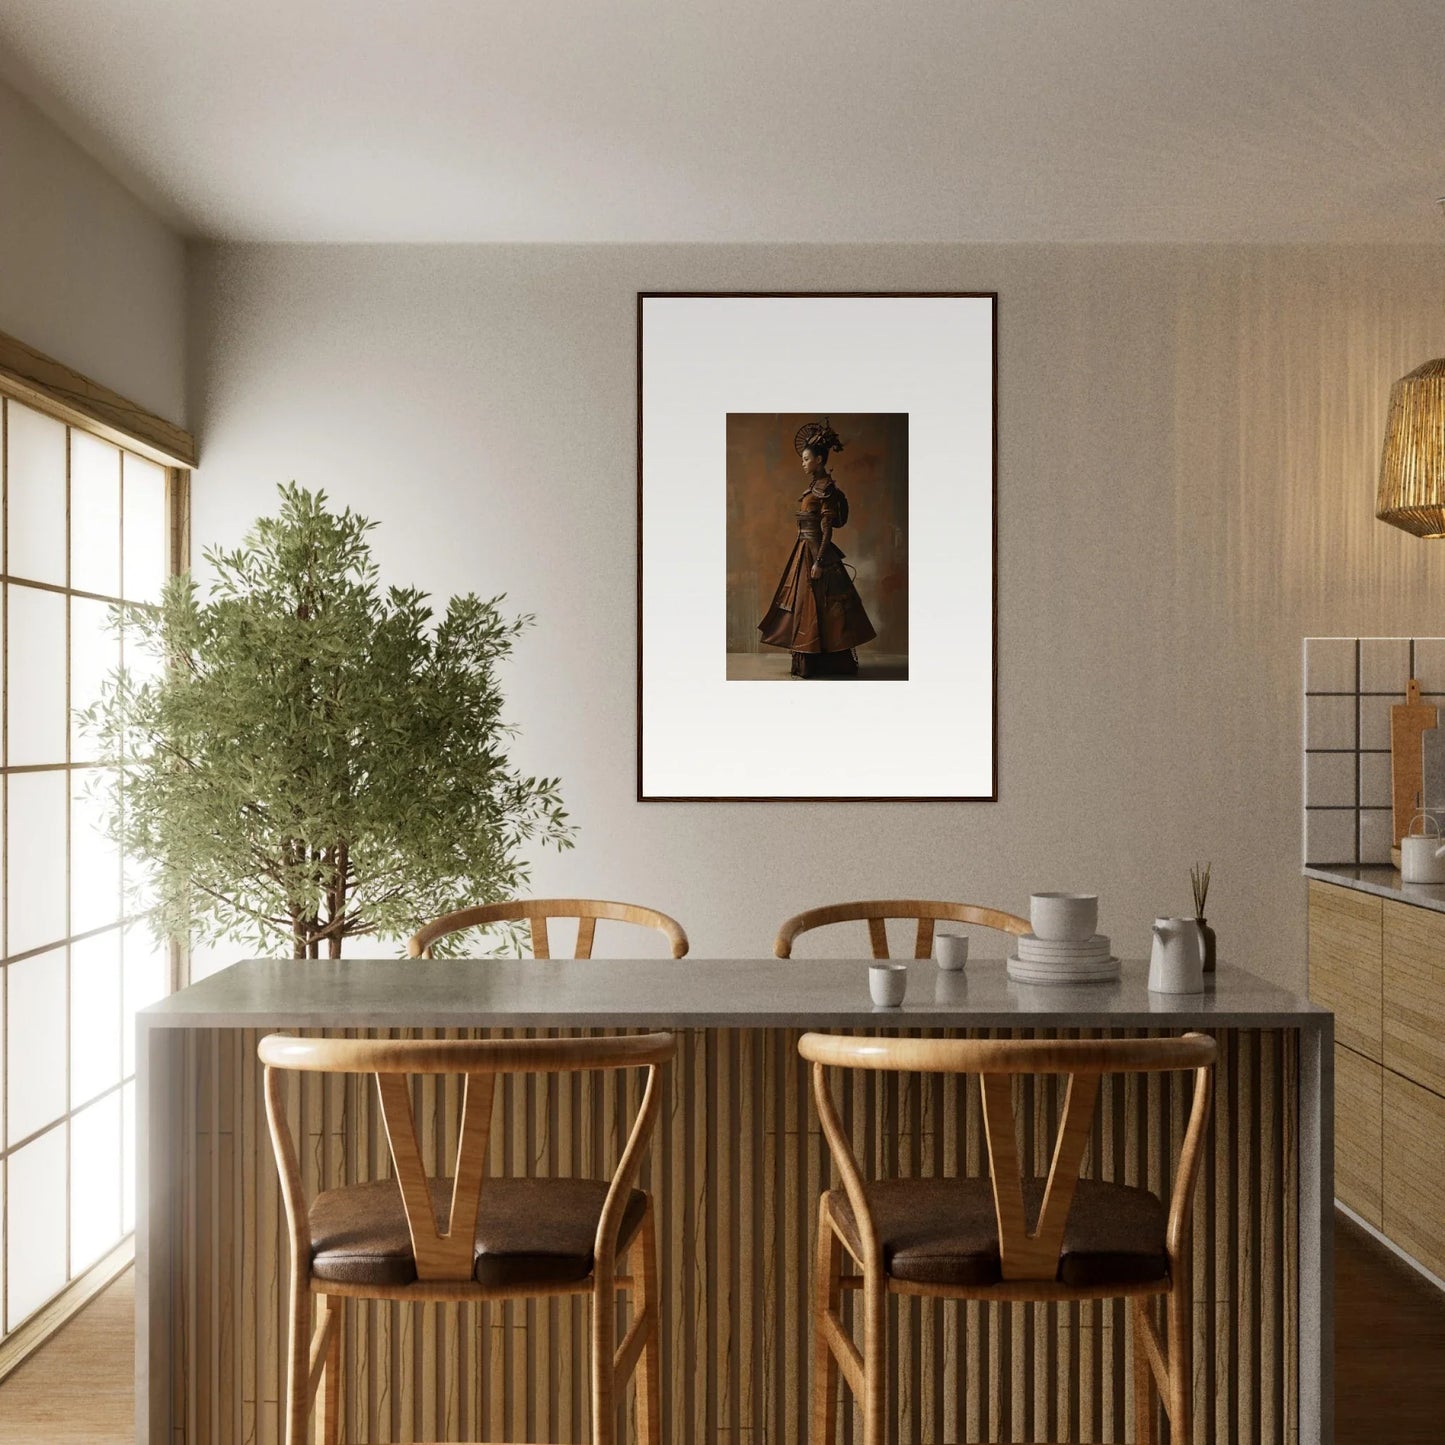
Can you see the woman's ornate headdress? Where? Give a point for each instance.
(817, 435)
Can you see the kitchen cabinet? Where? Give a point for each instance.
(1346, 962)
(1359, 1088)
(1377, 958)
(1414, 1187)
(1414, 994)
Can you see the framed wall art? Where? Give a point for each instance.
(816, 544)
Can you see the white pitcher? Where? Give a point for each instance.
(1176, 964)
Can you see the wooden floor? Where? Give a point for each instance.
(80, 1387)
(1390, 1386)
(1389, 1347)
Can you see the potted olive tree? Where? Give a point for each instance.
(304, 757)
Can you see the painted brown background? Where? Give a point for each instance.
(764, 481)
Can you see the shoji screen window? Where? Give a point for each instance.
(86, 523)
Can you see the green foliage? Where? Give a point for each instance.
(316, 759)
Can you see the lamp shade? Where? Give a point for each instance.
(1412, 469)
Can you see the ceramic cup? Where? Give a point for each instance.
(888, 982)
(951, 950)
(1064, 916)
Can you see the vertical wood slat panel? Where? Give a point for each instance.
(736, 1167)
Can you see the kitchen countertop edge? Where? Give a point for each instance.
(813, 993)
(1381, 880)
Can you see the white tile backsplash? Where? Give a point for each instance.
(1375, 780)
(1377, 835)
(1330, 722)
(1350, 686)
(1330, 836)
(1330, 780)
(1384, 664)
(1375, 721)
(1330, 664)
(1430, 663)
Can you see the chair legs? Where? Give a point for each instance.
(298, 1362)
(1146, 1414)
(875, 1356)
(1163, 1371)
(330, 1418)
(640, 1352)
(648, 1309)
(313, 1376)
(1158, 1376)
(1179, 1309)
(313, 1373)
(827, 1300)
(604, 1359)
(834, 1352)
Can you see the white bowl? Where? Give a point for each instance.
(1057, 916)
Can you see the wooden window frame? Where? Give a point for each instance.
(38, 381)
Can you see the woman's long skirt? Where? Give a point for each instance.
(820, 620)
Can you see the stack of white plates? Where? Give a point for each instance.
(1047, 960)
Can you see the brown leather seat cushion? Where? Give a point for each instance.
(529, 1231)
(945, 1232)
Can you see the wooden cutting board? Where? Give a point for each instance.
(1409, 721)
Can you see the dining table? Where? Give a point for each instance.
(736, 1166)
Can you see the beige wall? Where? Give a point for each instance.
(87, 273)
(1188, 440)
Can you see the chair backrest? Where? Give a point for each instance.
(536, 912)
(1026, 1252)
(443, 1249)
(877, 911)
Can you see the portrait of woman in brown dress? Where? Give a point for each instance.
(816, 613)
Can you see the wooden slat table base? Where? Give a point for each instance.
(736, 1166)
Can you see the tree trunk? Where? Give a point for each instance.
(336, 898)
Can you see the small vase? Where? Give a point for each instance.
(1208, 933)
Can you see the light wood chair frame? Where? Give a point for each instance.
(1029, 1256)
(877, 911)
(537, 911)
(444, 1257)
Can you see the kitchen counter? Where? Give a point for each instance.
(1383, 881)
(698, 993)
(736, 1167)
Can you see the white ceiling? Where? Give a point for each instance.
(755, 120)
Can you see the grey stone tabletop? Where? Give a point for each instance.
(699, 993)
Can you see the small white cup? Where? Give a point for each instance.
(951, 950)
(888, 982)
(1064, 916)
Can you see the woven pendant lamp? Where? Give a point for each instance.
(1412, 469)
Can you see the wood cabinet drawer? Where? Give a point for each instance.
(1414, 1003)
(1414, 1193)
(1345, 963)
(1358, 1124)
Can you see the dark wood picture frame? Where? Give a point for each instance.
(643, 796)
